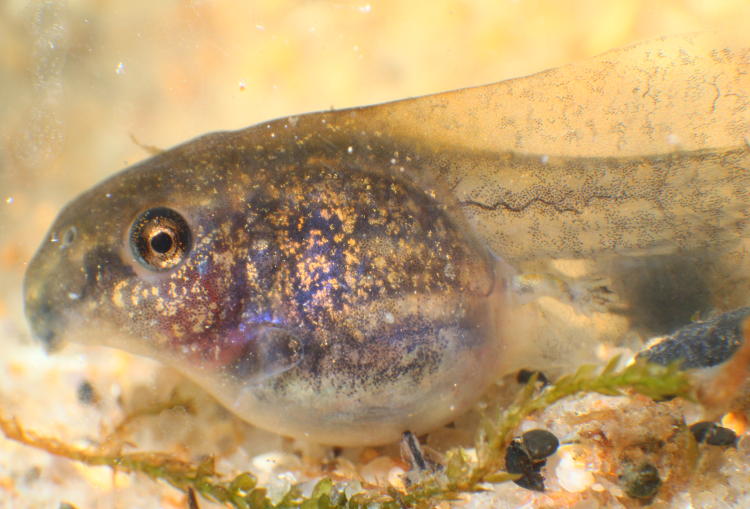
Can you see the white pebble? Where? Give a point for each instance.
(572, 475)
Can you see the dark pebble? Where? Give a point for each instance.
(518, 461)
(713, 434)
(701, 344)
(640, 481)
(86, 394)
(525, 375)
(540, 443)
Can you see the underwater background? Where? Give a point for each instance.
(86, 85)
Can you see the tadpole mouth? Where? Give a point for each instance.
(42, 320)
(42, 291)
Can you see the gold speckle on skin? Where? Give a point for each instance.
(134, 299)
(117, 292)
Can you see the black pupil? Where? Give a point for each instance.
(160, 239)
(161, 242)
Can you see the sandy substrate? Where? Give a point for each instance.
(80, 79)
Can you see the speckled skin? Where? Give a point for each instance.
(346, 275)
(334, 298)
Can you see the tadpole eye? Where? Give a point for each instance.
(160, 238)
